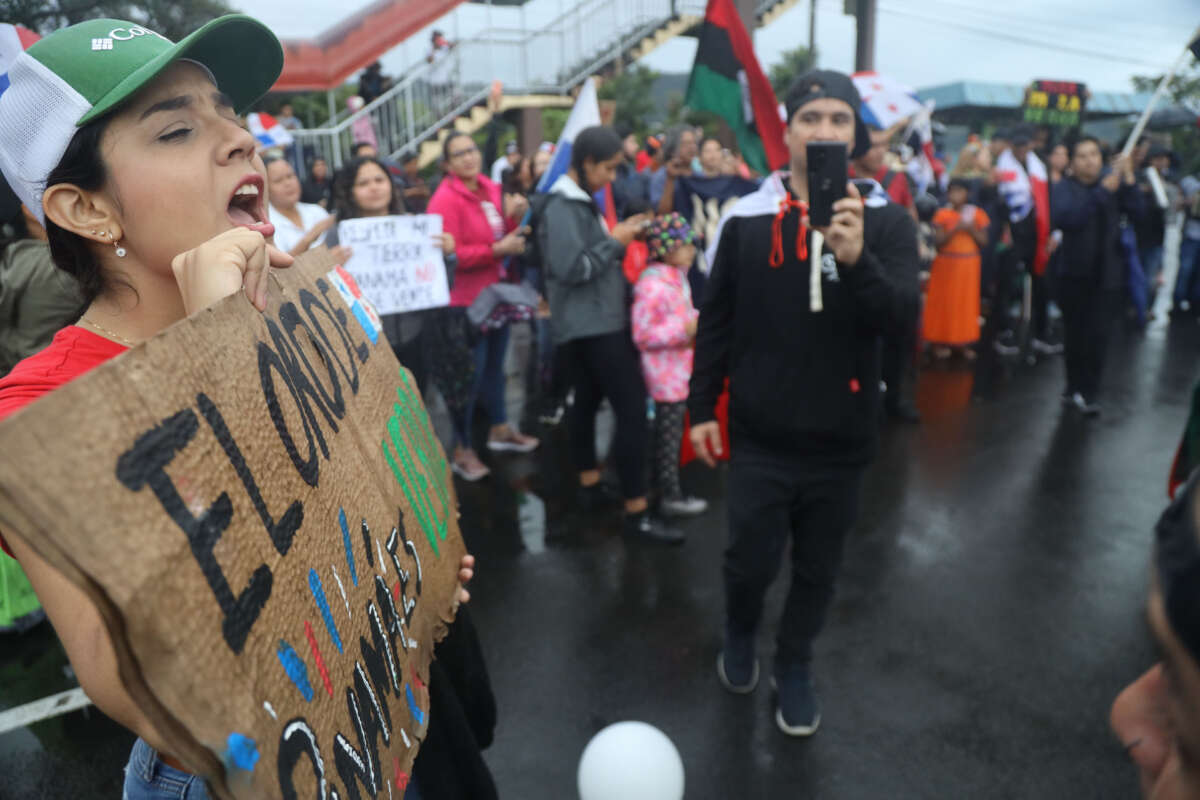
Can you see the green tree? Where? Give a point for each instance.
(172, 18)
(1183, 90)
(632, 91)
(792, 65)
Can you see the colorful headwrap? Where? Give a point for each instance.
(1177, 560)
(668, 233)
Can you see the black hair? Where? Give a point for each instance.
(82, 165)
(960, 183)
(343, 189)
(599, 143)
(672, 140)
(1084, 138)
(446, 143)
(408, 157)
(358, 146)
(637, 205)
(510, 179)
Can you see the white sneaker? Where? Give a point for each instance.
(683, 506)
(470, 473)
(517, 442)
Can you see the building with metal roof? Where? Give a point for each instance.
(976, 102)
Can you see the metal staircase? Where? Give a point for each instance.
(538, 67)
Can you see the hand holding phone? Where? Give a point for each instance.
(826, 180)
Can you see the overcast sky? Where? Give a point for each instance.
(926, 43)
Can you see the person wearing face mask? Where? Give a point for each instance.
(153, 197)
(793, 318)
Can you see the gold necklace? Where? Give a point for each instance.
(120, 339)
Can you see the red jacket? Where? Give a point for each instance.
(463, 217)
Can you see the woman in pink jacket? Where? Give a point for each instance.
(664, 329)
(473, 212)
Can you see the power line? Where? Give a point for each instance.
(1073, 25)
(995, 35)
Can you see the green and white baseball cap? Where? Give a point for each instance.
(79, 74)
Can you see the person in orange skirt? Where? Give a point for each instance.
(952, 302)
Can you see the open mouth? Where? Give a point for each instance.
(246, 206)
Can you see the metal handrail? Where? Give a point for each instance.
(569, 47)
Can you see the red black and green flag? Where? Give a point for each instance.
(727, 80)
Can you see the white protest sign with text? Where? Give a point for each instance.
(397, 262)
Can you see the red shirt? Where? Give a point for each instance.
(72, 352)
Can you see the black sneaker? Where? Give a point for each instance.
(797, 713)
(597, 497)
(737, 666)
(643, 526)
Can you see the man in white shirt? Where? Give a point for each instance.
(298, 226)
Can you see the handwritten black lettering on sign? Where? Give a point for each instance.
(264, 518)
(397, 262)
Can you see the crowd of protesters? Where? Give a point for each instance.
(806, 335)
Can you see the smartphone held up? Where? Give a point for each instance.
(827, 167)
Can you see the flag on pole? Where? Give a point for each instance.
(924, 167)
(268, 130)
(1025, 189)
(727, 80)
(885, 101)
(584, 114)
(14, 40)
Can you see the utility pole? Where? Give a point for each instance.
(812, 31)
(747, 10)
(864, 52)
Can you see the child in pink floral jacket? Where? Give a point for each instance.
(664, 329)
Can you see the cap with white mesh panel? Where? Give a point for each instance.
(81, 73)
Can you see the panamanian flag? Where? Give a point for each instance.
(268, 131)
(584, 114)
(885, 101)
(14, 40)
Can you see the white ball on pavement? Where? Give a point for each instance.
(630, 761)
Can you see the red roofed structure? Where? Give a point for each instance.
(329, 60)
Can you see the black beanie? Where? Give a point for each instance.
(818, 83)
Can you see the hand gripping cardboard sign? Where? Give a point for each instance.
(258, 506)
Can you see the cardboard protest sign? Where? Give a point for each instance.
(396, 261)
(259, 508)
(1056, 103)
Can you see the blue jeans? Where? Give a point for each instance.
(148, 778)
(489, 384)
(1189, 254)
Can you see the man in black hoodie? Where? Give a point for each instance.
(794, 318)
(1087, 207)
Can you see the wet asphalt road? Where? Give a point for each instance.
(989, 609)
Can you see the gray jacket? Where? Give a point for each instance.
(585, 285)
